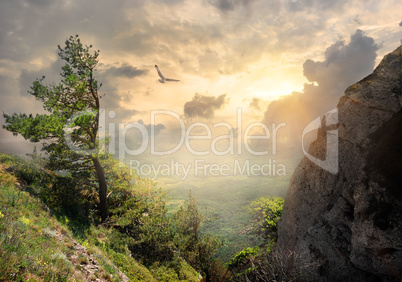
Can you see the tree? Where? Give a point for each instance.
(137, 209)
(197, 249)
(266, 212)
(252, 264)
(242, 265)
(73, 122)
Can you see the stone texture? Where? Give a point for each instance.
(350, 223)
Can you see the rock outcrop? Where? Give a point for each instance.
(350, 223)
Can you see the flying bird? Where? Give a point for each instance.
(162, 77)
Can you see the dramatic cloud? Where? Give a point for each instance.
(213, 46)
(204, 106)
(344, 65)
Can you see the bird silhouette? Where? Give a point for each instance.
(162, 77)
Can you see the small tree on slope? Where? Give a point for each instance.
(74, 103)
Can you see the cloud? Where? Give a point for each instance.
(206, 40)
(125, 70)
(204, 106)
(303, 5)
(230, 5)
(255, 104)
(224, 5)
(137, 112)
(400, 24)
(51, 73)
(157, 127)
(30, 30)
(344, 64)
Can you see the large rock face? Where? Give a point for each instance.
(350, 223)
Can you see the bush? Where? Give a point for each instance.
(243, 263)
(133, 270)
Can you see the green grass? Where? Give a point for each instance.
(28, 249)
(40, 244)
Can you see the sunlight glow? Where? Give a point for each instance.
(274, 92)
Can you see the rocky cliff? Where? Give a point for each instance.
(350, 223)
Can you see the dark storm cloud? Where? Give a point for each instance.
(124, 71)
(344, 65)
(204, 106)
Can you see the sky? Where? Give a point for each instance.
(265, 61)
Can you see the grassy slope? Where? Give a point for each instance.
(35, 246)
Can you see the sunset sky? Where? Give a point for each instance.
(228, 54)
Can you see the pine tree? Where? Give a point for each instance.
(73, 119)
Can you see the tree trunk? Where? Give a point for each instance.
(102, 188)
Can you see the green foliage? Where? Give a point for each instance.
(251, 264)
(243, 264)
(242, 258)
(30, 238)
(133, 270)
(177, 270)
(164, 273)
(31, 171)
(76, 92)
(140, 237)
(137, 209)
(188, 220)
(27, 248)
(226, 199)
(61, 194)
(266, 212)
(187, 273)
(196, 248)
(73, 119)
